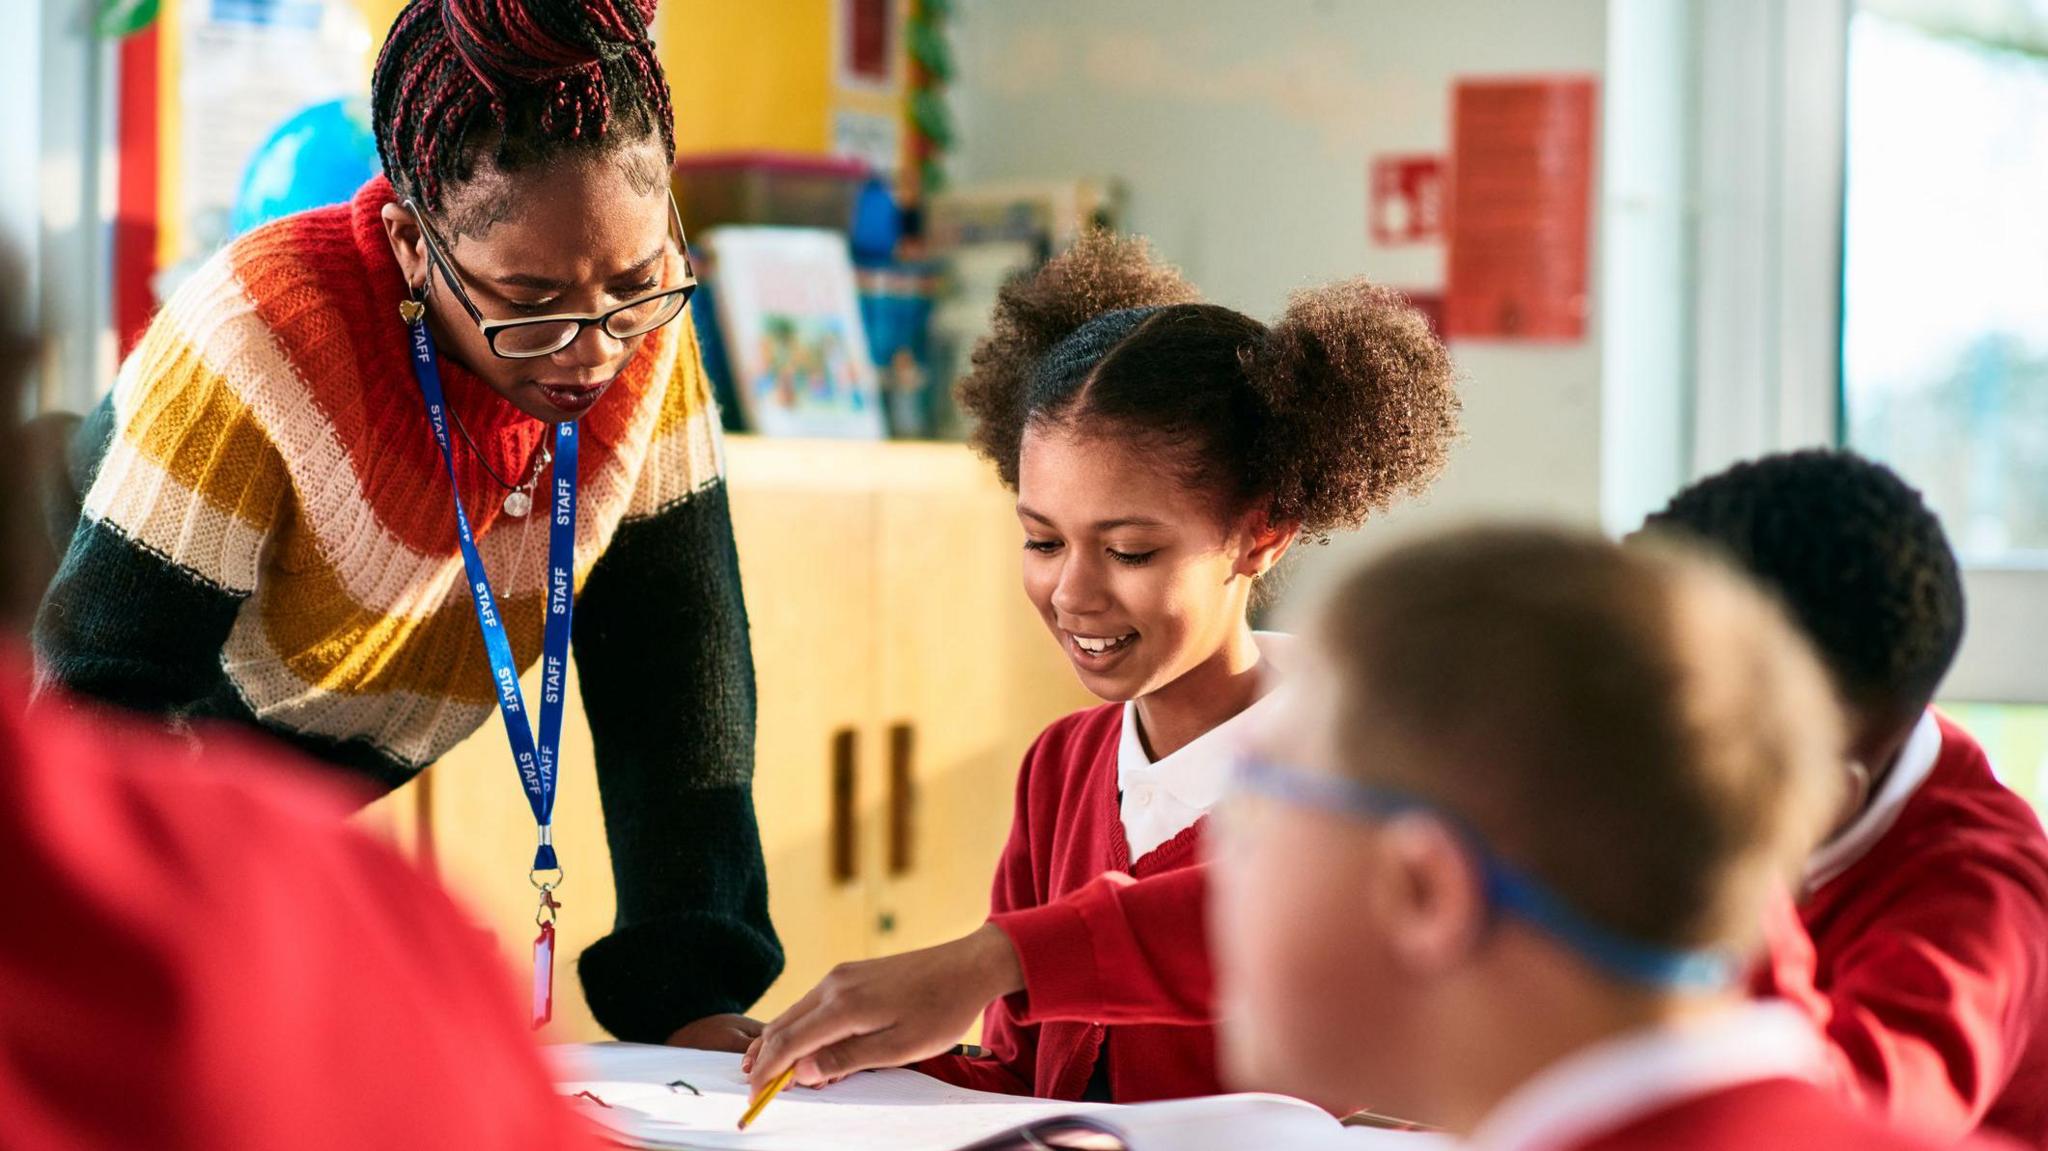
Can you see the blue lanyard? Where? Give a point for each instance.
(536, 761)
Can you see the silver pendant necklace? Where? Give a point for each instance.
(518, 497)
(519, 500)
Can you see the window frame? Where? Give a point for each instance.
(1768, 301)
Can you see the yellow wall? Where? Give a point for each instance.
(170, 215)
(379, 14)
(744, 76)
(752, 75)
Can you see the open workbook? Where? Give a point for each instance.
(662, 1097)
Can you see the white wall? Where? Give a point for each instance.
(1243, 132)
(20, 211)
(57, 201)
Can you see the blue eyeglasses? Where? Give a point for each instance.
(1508, 891)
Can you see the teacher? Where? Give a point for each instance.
(336, 481)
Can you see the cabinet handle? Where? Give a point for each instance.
(845, 793)
(902, 798)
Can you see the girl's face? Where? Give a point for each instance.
(1140, 578)
(581, 236)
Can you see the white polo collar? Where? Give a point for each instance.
(1915, 763)
(1160, 800)
(1613, 1083)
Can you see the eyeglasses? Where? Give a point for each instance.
(1508, 890)
(535, 336)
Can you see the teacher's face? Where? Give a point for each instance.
(581, 235)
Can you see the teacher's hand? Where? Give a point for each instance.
(887, 1012)
(717, 1033)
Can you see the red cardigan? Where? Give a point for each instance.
(1767, 1115)
(1094, 971)
(1928, 960)
(205, 955)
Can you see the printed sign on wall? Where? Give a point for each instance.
(1521, 197)
(1407, 204)
(865, 31)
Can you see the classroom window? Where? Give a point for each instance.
(1945, 292)
(2015, 737)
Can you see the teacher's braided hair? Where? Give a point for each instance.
(518, 82)
(1327, 415)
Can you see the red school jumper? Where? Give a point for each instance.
(202, 954)
(1081, 955)
(1737, 1080)
(1767, 1115)
(1928, 964)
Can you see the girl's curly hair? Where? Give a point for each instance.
(1344, 404)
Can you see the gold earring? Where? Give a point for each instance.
(411, 310)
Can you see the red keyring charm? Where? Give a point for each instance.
(544, 960)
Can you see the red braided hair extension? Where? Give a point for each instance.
(543, 75)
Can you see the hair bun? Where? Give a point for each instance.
(1364, 404)
(506, 43)
(1101, 274)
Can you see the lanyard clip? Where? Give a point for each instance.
(544, 916)
(544, 858)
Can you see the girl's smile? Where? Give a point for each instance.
(1099, 651)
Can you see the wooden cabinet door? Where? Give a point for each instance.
(968, 677)
(804, 517)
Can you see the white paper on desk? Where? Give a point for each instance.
(906, 1111)
(874, 1111)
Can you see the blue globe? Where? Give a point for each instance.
(318, 157)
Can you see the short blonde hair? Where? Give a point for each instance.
(1640, 729)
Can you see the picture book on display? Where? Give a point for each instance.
(792, 333)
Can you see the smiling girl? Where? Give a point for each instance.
(1166, 454)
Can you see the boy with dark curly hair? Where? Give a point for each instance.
(1166, 454)
(1927, 909)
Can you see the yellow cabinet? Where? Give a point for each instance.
(901, 676)
(967, 678)
(807, 541)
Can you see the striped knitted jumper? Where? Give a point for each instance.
(269, 538)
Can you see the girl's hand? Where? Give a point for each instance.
(887, 1012)
(717, 1033)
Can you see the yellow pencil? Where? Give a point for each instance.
(769, 1092)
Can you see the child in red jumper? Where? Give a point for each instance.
(1165, 454)
(1497, 860)
(1928, 908)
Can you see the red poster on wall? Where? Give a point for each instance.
(135, 215)
(1521, 198)
(866, 55)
